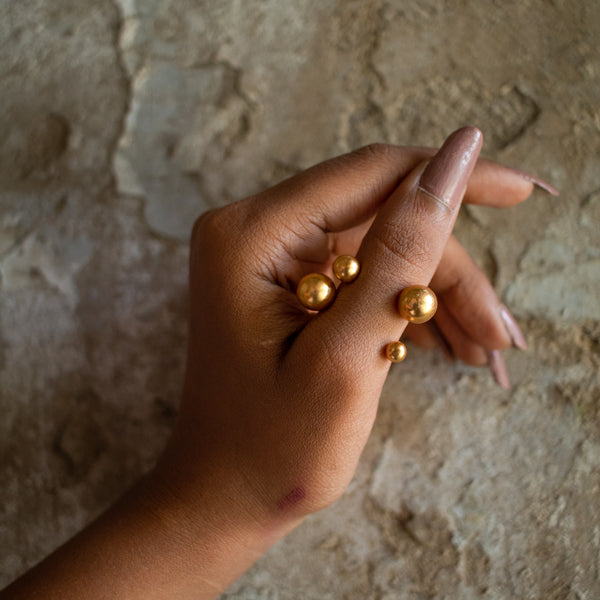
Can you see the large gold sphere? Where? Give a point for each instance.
(395, 351)
(417, 304)
(316, 291)
(346, 268)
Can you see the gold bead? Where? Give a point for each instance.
(417, 304)
(395, 351)
(346, 268)
(316, 291)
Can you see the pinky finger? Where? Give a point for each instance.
(429, 337)
(467, 350)
(463, 346)
(422, 336)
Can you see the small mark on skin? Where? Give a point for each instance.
(292, 498)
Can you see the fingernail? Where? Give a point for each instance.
(515, 333)
(445, 177)
(498, 369)
(537, 181)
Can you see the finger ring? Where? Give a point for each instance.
(315, 291)
(346, 268)
(395, 352)
(417, 304)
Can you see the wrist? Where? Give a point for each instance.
(202, 500)
(159, 540)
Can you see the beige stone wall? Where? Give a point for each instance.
(123, 120)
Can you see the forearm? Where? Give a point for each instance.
(151, 545)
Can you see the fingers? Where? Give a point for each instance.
(460, 342)
(497, 186)
(402, 247)
(470, 301)
(422, 336)
(292, 221)
(328, 209)
(342, 192)
(346, 191)
(470, 319)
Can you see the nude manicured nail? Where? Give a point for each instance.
(445, 177)
(498, 369)
(537, 181)
(515, 333)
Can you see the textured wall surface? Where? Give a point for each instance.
(123, 120)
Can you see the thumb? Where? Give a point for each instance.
(402, 247)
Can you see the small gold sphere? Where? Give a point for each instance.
(346, 268)
(316, 291)
(417, 304)
(395, 352)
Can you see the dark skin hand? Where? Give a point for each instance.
(278, 401)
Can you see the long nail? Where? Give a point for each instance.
(498, 369)
(537, 181)
(445, 177)
(514, 332)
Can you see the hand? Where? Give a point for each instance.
(280, 401)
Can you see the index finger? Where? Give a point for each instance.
(347, 190)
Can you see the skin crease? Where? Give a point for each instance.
(278, 402)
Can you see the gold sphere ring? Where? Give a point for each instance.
(417, 304)
(315, 291)
(346, 268)
(395, 352)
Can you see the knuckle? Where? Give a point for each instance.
(204, 225)
(471, 354)
(377, 151)
(403, 249)
(462, 291)
(213, 228)
(492, 334)
(365, 159)
(476, 303)
(211, 240)
(486, 328)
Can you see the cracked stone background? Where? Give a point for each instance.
(123, 120)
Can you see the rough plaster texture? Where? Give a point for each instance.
(124, 120)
